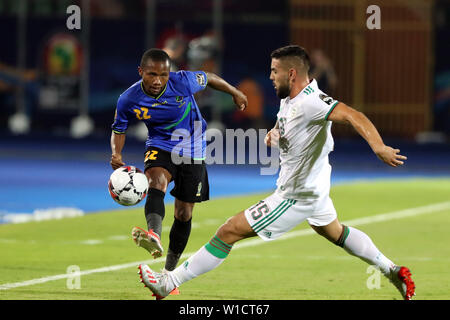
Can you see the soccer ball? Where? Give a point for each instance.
(128, 185)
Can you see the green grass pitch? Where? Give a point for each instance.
(303, 267)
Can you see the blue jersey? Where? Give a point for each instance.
(173, 119)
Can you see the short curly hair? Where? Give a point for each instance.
(154, 55)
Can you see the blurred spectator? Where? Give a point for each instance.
(253, 115)
(202, 55)
(11, 78)
(107, 8)
(203, 52)
(176, 49)
(323, 71)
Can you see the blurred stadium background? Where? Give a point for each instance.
(59, 87)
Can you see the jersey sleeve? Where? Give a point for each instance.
(319, 107)
(194, 80)
(120, 124)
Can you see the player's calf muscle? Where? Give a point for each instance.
(331, 232)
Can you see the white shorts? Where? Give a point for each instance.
(272, 217)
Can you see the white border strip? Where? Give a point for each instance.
(437, 207)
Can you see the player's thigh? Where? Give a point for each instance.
(235, 229)
(159, 168)
(158, 178)
(183, 210)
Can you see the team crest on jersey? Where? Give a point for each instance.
(178, 99)
(293, 112)
(327, 99)
(201, 79)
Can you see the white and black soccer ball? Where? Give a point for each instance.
(128, 185)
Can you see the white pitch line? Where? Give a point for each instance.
(437, 207)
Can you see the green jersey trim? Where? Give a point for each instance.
(282, 204)
(308, 90)
(331, 109)
(156, 98)
(275, 215)
(186, 112)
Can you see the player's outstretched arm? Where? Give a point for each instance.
(347, 115)
(216, 82)
(117, 143)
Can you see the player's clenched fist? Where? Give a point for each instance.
(272, 138)
(240, 99)
(116, 161)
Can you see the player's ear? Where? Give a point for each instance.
(140, 71)
(292, 74)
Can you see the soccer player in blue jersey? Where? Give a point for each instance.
(165, 102)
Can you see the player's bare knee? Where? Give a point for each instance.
(183, 214)
(183, 210)
(227, 227)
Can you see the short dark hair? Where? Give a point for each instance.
(154, 55)
(292, 51)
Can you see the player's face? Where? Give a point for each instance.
(280, 79)
(155, 75)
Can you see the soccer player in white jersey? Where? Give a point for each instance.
(303, 134)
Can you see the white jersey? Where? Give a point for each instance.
(305, 142)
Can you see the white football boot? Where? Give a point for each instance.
(158, 283)
(148, 240)
(401, 279)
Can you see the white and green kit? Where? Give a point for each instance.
(303, 184)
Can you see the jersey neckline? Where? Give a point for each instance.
(148, 95)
